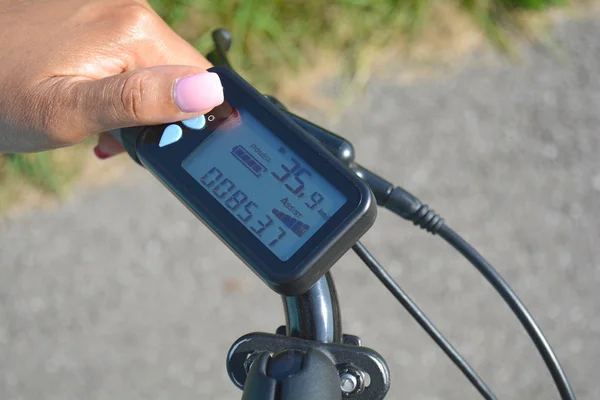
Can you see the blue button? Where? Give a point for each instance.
(171, 135)
(196, 123)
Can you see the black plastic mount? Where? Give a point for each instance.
(292, 375)
(264, 365)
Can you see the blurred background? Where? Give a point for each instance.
(487, 110)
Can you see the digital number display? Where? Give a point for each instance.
(258, 179)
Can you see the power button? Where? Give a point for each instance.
(196, 123)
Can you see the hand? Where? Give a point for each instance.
(70, 69)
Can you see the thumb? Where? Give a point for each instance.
(147, 96)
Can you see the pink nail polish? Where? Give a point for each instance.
(199, 92)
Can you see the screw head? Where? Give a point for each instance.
(348, 383)
(352, 380)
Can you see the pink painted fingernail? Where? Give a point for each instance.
(199, 92)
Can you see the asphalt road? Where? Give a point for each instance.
(121, 294)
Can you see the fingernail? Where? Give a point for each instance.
(199, 92)
(100, 154)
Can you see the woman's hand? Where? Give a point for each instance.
(73, 68)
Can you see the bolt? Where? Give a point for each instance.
(349, 383)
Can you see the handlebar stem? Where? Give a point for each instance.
(315, 315)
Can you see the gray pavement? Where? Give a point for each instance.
(121, 294)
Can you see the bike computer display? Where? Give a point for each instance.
(279, 200)
(289, 199)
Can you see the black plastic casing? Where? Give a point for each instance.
(293, 375)
(296, 275)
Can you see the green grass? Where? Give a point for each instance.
(287, 33)
(37, 169)
(46, 173)
(279, 35)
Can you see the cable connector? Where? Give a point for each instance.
(411, 208)
(400, 202)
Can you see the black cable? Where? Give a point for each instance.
(509, 296)
(422, 319)
(411, 208)
(407, 206)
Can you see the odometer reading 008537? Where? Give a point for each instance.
(274, 193)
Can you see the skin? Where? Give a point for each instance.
(70, 69)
